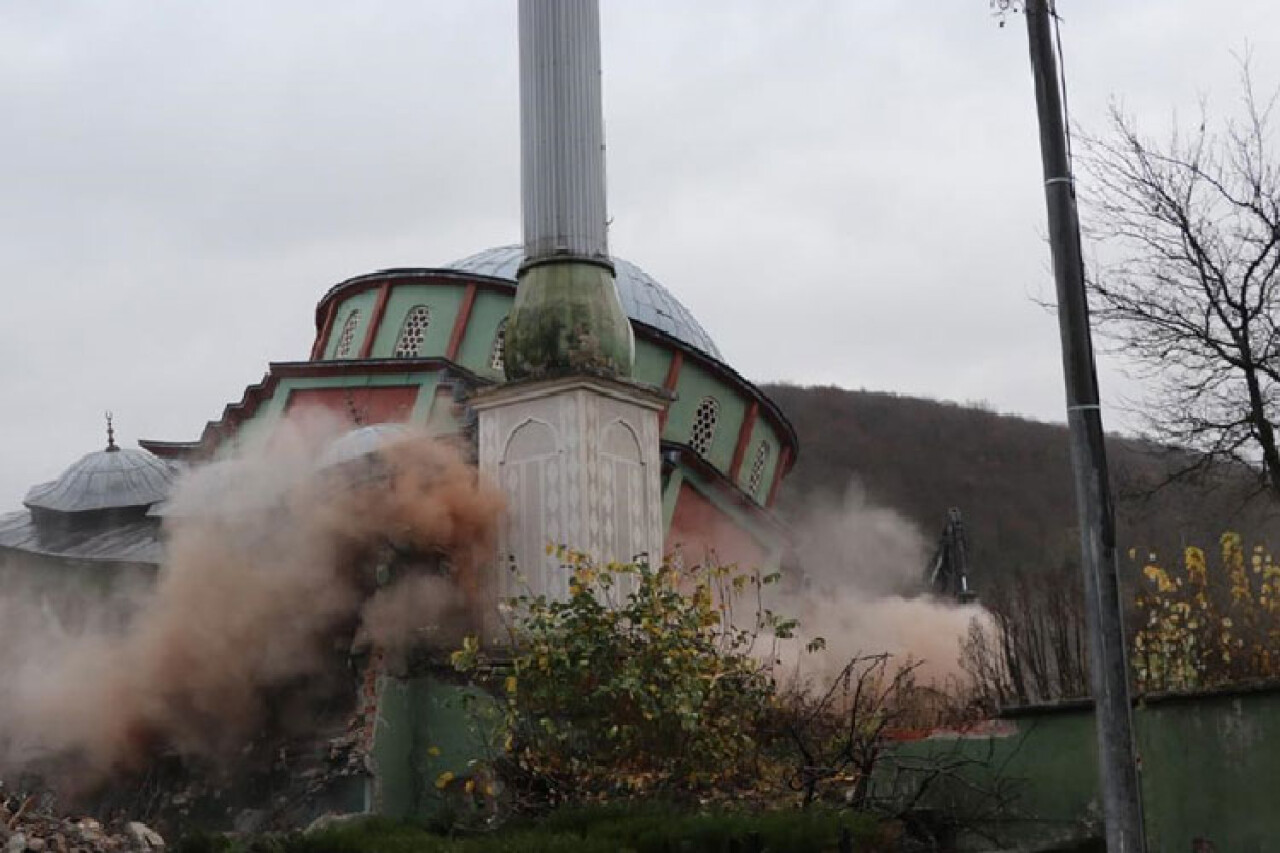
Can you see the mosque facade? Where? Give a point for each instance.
(413, 346)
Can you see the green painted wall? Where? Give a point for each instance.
(399, 747)
(652, 363)
(1209, 770)
(443, 300)
(1209, 767)
(427, 728)
(489, 309)
(1046, 763)
(362, 301)
(271, 410)
(694, 384)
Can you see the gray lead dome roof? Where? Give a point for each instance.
(361, 442)
(643, 298)
(105, 479)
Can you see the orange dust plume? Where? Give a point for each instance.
(269, 557)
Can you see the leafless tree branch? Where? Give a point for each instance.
(1188, 286)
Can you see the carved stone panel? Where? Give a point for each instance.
(578, 460)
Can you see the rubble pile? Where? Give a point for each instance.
(28, 823)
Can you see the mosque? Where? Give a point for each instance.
(575, 381)
(413, 346)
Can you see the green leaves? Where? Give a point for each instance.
(610, 693)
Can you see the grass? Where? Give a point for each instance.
(647, 828)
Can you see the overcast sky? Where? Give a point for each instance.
(843, 191)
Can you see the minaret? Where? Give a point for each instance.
(571, 439)
(567, 317)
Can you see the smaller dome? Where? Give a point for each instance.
(361, 442)
(106, 479)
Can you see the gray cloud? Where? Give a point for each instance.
(842, 192)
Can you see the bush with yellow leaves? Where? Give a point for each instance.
(1200, 626)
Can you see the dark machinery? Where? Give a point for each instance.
(948, 571)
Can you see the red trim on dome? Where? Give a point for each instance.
(784, 465)
(322, 333)
(669, 384)
(460, 322)
(744, 438)
(375, 321)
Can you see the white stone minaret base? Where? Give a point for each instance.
(578, 460)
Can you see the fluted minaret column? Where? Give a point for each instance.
(567, 317)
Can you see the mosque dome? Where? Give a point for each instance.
(361, 442)
(643, 298)
(114, 478)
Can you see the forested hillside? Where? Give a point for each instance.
(1010, 477)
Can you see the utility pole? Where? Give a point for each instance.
(1108, 674)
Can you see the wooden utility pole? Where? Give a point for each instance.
(1108, 673)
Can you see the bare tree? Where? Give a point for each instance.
(1188, 283)
(1030, 646)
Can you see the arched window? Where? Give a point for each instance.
(704, 425)
(498, 357)
(413, 332)
(757, 469)
(348, 335)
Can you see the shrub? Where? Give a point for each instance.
(1200, 625)
(640, 680)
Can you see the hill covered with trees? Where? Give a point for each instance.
(1009, 476)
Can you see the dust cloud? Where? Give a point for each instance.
(861, 590)
(271, 560)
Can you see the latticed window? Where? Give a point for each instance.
(498, 358)
(348, 335)
(704, 425)
(757, 469)
(413, 332)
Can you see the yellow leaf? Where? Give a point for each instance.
(444, 779)
(511, 684)
(433, 751)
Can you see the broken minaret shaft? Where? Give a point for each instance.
(567, 317)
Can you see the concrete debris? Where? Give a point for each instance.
(26, 827)
(144, 836)
(329, 820)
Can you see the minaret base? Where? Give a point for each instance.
(578, 460)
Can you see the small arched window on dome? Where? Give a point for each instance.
(413, 332)
(347, 337)
(757, 469)
(704, 425)
(498, 356)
